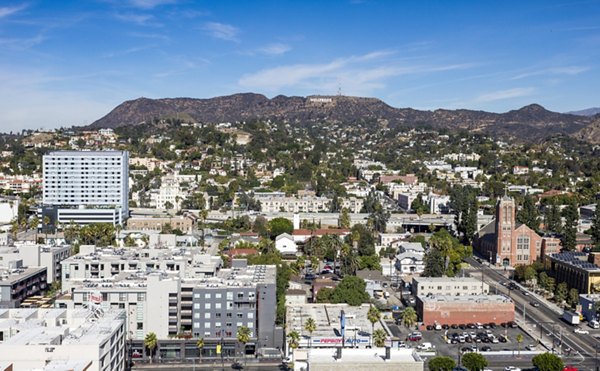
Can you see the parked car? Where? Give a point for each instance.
(534, 304)
(511, 368)
(486, 349)
(581, 331)
(415, 336)
(530, 347)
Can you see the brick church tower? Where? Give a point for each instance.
(505, 225)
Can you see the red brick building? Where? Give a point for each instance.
(504, 241)
(449, 310)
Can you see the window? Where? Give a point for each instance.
(196, 295)
(240, 315)
(218, 295)
(230, 295)
(197, 315)
(196, 305)
(141, 296)
(206, 324)
(207, 315)
(196, 324)
(206, 305)
(250, 324)
(207, 296)
(217, 305)
(250, 315)
(240, 295)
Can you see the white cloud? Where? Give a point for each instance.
(275, 49)
(355, 75)
(505, 94)
(222, 31)
(568, 70)
(139, 19)
(5, 11)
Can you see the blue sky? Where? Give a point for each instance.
(68, 63)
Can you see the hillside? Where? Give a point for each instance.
(531, 123)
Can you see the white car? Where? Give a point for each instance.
(511, 368)
(581, 331)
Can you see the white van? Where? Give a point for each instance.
(594, 324)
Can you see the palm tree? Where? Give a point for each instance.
(46, 222)
(203, 216)
(379, 337)
(311, 327)
(14, 229)
(243, 336)
(294, 340)
(409, 317)
(33, 224)
(150, 342)
(348, 260)
(200, 345)
(373, 316)
(519, 341)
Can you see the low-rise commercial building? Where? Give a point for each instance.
(448, 310)
(449, 286)
(578, 269)
(316, 359)
(61, 338)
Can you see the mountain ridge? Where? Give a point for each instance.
(529, 123)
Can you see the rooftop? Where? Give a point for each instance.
(11, 276)
(465, 299)
(575, 259)
(85, 153)
(353, 356)
(59, 326)
(327, 318)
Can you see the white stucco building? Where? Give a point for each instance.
(61, 338)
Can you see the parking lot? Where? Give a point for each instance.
(451, 342)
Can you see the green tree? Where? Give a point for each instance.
(311, 327)
(46, 226)
(519, 339)
(293, 339)
(595, 230)
(569, 236)
(278, 226)
(200, 346)
(379, 337)
(573, 298)
(548, 362)
(373, 315)
(150, 343)
(379, 218)
(528, 214)
(474, 361)
(434, 263)
(560, 295)
(243, 337)
(418, 206)
(351, 290)
(551, 284)
(552, 219)
(441, 363)
(344, 219)
(409, 316)
(543, 280)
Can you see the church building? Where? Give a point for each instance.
(504, 241)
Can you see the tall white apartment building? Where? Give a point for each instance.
(86, 186)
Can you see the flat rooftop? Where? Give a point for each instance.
(360, 356)
(42, 326)
(575, 259)
(327, 318)
(85, 153)
(445, 279)
(11, 276)
(465, 299)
